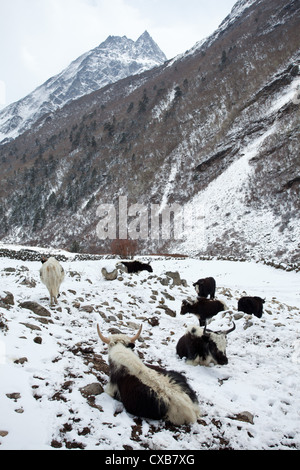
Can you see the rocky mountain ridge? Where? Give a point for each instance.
(114, 59)
(215, 130)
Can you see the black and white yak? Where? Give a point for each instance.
(147, 391)
(204, 309)
(205, 287)
(202, 346)
(251, 305)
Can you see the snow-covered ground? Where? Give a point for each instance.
(43, 406)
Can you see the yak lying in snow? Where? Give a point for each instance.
(201, 346)
(147, 392)
(251, 305)
(137, 266)
(206, 287)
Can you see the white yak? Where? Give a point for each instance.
(52, 275)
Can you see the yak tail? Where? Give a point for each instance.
(183, 403)
(53, 281)
(182, 410)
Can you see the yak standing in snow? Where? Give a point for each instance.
(205, 287)
(251, 305)
(52, 275)
(204, 309)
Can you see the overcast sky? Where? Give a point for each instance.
(39, 38)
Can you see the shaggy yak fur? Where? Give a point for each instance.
(52, 275)
(148, 391)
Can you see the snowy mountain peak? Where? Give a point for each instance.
(114, 59)
(143, 48)
(145, 36)
(148, 46)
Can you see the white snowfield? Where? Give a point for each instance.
(251, 403)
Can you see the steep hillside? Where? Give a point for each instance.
(114, 59)
(215, 130)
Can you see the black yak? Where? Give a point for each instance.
(136, 266)
(204, 309)
(205, 287)
(251, 305)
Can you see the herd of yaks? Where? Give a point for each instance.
(150, 391)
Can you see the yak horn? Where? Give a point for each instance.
(231, 329)
(206, 331)
(103, 338)
(134, 338)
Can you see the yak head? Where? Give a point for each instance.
(211, 344)
(128, 342)
(185, 307)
